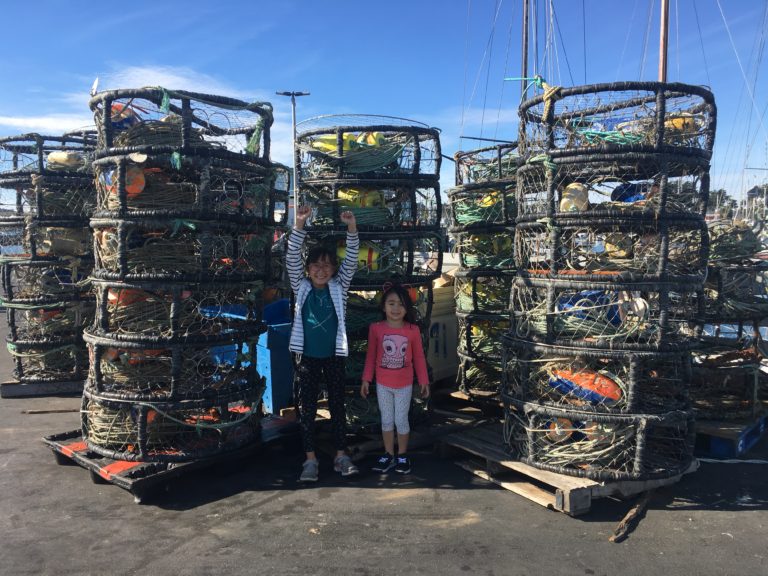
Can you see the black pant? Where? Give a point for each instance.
(310, 374)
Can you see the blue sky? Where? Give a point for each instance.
(441, 62)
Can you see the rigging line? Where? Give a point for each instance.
(741, 68)
(535, 36)
(466, 67)
(490, 59)
(701, 41)
(548, 58)
(677, 38)
(583, 38)
(565, 52)
(506, 68)
(482, 61)
(758, 61)
(626, 41)
(645, 39)
(551, 45)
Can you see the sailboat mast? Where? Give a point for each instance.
(524, 67)
(663, 40)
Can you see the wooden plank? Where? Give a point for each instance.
(730, 430)
(562, 481)
(22, 390)
(525, 489)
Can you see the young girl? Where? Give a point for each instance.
(394, 352)
(319, 336)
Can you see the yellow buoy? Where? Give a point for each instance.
(575, 198)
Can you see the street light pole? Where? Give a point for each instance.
(295, 155)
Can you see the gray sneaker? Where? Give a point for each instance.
(345, 465)
(309, 471)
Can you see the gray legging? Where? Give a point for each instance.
(394, 404)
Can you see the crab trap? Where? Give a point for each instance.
(478, 376)
(154, 185)
(46, 366)
(159, 121)
(152, 368)
(729, 383)
(599, 380)
(736, 293)
(364, 308)
(483, 204)
(50, 180)
(479, 335)
(49, 321)
(601, 447)
(483, 291)
(629, 116)
(623, 248)
(734, 243)
(622, 316)
(410, 258)
(36, 282)
(367, 146)
(173, 431)
(163, 310)
(394, 204)
(180, 250)
(487, 164)
(11, 235)
(612, 185)
(491, 248)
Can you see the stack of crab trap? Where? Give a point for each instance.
(483, 212)
(611, 249)
(47, 255)
(386, 171)
(183, 228)
(730, 386)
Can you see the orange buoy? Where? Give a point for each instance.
(587, 384)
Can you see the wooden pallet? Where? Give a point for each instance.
(717, 439)
(569, 494)
(145, 479)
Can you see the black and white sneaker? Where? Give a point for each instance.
(403, 465)
(385, 463)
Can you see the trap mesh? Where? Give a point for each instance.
(647, 116)
(377, 205)
(157, 120)
(599, 446)
(158, 432)
(491, 163)
(625, 316)
(483, 292)
(596, 379)
(621, 248)
(180, 250)
(372, 146)
(484, 204)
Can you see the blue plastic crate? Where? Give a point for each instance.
(274, 362)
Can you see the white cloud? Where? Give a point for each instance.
(51, 125)
(173, 78)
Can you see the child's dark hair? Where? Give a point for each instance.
(402, 293)
(320, 252)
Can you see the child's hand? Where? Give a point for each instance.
(364, 389)
(424, 390)
(302, 214)
(349, 219)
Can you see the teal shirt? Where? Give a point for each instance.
(320, 324)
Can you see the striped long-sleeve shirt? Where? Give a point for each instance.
(338, 286)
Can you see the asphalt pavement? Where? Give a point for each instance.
(252, 517)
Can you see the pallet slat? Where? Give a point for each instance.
(572, 495)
